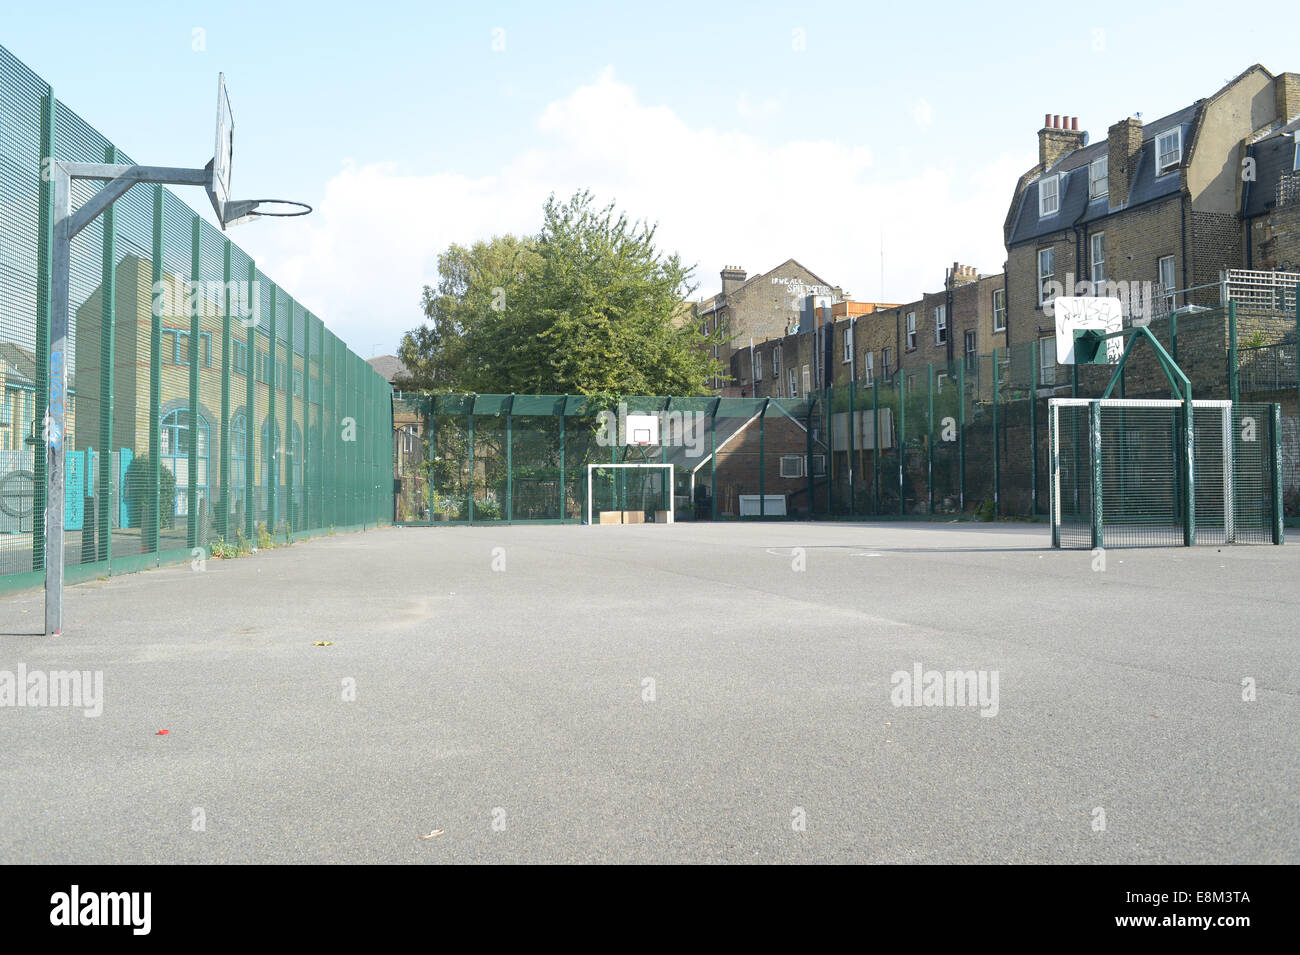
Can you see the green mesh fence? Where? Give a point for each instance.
(204, 402)
(1119, 473)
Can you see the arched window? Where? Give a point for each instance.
(238, 456)
(174, 451)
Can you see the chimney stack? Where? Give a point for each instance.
(962, 275)
(1286, 94)
(1059, 137)
(1124, 146)
(733, 276)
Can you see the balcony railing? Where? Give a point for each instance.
(1262, 291)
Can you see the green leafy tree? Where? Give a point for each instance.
(473, 283)
(587, 306)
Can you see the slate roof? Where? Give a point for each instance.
(1075, 206)
(1275, 157)
(390, 366)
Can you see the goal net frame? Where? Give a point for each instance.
(1184, 481)
(667, 489)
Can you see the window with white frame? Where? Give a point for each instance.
(776, 363)
(1046, 273)
(819, 465)
(938, 383)
(1049, 196)
(970, 350)
(869, 367)
(848, 342)
(940, 324)
(1166, 273)
(886, 356)
(791, 466)
(758, 365)
(807, 380)
(1099, 177)
(1097, 258)
(911, 330)
(999, 310)
(794, 384)
(1169, 150)
(1047, 360)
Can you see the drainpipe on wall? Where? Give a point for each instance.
(948, 314)
(1182, 208)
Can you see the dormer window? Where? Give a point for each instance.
(1099, 177)
(1169, 150)
(1049, 196)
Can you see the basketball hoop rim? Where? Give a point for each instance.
(303, 208)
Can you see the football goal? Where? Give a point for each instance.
(1139, 473)
(630, 493)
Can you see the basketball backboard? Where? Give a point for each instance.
(1074, 314)
(642, 429)
(222, 153)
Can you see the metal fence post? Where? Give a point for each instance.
(1189, 475)
(808, 457)
(223, 435)
(253, 307)
(902, 439)
(308, 445)
(1275, 453)
(852, 420)
(1094, 444)
(510, 461)
(929, 439)
(469, 502)
(1034, 358)
(273, 451)
(291, 462)
(44, 294)
(713, 458)
(875, 442)
(564, 510)
(762, 461)
(1232, 351)
(153, 503)
(107, 361)
(192, 459)
(961, 434)
(997, 443)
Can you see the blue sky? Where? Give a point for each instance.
(752, 132)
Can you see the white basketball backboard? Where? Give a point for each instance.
(1080, 312)
(642, 429)
(222, 153)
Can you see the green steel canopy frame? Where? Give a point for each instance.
(1181, 389)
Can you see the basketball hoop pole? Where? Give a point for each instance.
(66, 225)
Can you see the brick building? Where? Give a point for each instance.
(1153, 208)
(770, 305)
(1272, 197)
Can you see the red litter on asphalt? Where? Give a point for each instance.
(161, 733)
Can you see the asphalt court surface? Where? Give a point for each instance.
(689, 692)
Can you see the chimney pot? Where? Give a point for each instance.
(1047, 120)
(1056, 121)
(1074, 123)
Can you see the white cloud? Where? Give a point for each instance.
(923, 113)
(762, 109)
(720, 197)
